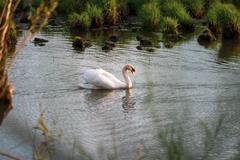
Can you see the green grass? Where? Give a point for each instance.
(70, 6)
(111, 12)
(212, 17)
(81, 21)
(169, 25)
(225, 18)
(96, 15)
(150, 15)
(196, 8)
(1, 4)
(176, 10)
(12, 34)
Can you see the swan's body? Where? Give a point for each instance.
(101, 79)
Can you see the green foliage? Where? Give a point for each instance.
(224, 17)
(69, 6)
(12, 34)
(228, 15)
(36, 3)
(212, 16)
(134, 6)
(96, 15)
(169, 25)
(150, 14)
(81, 21)
(1, 4)
(196, 8)
(176, 10)
(111, 12)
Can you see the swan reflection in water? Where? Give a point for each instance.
(106, 98)
(128, 101)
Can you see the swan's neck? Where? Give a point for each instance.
(127, 78)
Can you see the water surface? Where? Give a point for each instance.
(186, 87)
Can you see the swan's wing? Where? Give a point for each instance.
(96, 78)
(110, 76)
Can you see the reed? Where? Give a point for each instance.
(195, 8)
(96, 15)
(169, 25)
(81, 21)
(224, 18)
(150, 15)
(176, 10)
(111, 12)
(70, 6)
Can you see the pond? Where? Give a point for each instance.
(184, 101)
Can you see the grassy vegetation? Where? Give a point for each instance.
(12, 35)
(169, 25)
(81, 21)
(176, 10)
(150, 14)
(111, 12)
(172, 16)
(196, 8)
(70, 6)
(224, 18)
(96, 15)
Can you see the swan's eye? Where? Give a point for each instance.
(133, 69)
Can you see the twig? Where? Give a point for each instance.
(9, 156)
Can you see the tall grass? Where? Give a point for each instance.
(134, 6)
(111, 12)
(212, 17)
(176, 10)
(196, 7)
(150, 14)
(96, 15)
(169, 25)
(225, 18)
(69, 6)
(81, 21)
(12, 35)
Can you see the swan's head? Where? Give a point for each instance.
(129, 67)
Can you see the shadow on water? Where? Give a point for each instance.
(229, 50)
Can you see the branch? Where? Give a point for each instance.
(8, 156)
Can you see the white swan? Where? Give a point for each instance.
(101, 79)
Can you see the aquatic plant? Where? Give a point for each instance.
(1, 4)
(211, 18)
(12, 34)
(224, 18)
(195, 8)
(69, 6)
(81, 21)
(150, 14)
(133, 6)
(169, 25)
(176, 10)
(46, 148)
(96, 15)
(111, 12)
